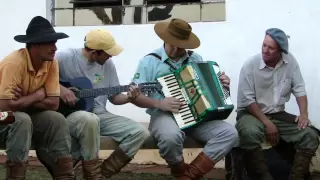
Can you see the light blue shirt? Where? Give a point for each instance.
(150, 67)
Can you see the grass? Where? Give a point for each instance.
(40, 173)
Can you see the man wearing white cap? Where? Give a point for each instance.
(93, 61)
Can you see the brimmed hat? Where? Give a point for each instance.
(40, 31)
(280, 38)
(178, 33)
(101, 39)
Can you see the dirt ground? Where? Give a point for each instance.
(40, 173)
(36, 171)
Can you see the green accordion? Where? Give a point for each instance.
(197, 85)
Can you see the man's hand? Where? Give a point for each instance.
(17, 92)
(272, 133)
(41, 94)
(68, 96)
(170, 104)
(134, 92)
(225, 80)
(302, 121)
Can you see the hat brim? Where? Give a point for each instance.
(40, 38)
(114, 51)
(161, 30)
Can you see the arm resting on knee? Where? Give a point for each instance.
(255, 110)
(19, 104)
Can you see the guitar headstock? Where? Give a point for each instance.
(150, 87)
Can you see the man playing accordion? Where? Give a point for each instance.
(219, 136)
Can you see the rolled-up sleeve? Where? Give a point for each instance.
(298, 86)
(246, 94)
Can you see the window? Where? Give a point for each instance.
(116, 12)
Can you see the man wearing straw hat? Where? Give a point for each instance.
(219, 136)
(29, 86)
(94, 61)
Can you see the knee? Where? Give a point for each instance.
(141, 132)
(312, 137)
(230, 133)
(22, 122)
(90, 121)
(171, 138)
(251, 133)
(55, 120)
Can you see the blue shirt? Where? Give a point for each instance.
(150, 67)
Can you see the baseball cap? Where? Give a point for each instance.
(101, 39)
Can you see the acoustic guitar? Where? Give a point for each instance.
(83, 89)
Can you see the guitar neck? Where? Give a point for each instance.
(85, 93)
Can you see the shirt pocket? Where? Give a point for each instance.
(285, 87)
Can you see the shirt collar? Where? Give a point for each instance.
(43, 68)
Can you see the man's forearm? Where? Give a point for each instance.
(49, 103)
(143, 101)
(120, 99)
(255, 110)
(21, 104)
(303, 105)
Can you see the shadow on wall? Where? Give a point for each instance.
(156, 14)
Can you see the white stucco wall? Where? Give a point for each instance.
(229, 43)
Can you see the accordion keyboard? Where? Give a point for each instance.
(170, 88)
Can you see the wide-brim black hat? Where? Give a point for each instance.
(40, 31)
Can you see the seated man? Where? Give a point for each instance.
(94, 62)
(29, 86)
(218, 136)
(265, 85)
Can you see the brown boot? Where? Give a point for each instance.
(200, 166)
(300, 167)
(114, 163)
(315, 176)
(64, 169)
(91, 169)
(16, 170)
(179, 170)
(256, 164)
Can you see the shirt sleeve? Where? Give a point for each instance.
(298, 86)
(10, 77)
(52, 85)
(246, 93)
(196, 57)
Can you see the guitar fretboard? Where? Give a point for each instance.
(84, 93)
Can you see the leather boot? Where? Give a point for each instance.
(179, 170)
(64, 169)
(16, 170)
(256, 164)
(200, 166)
(91, 169)
(301, 162)
(114, 163)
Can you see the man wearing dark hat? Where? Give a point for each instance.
(29, 86)
(219, 136)
(265, 85)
